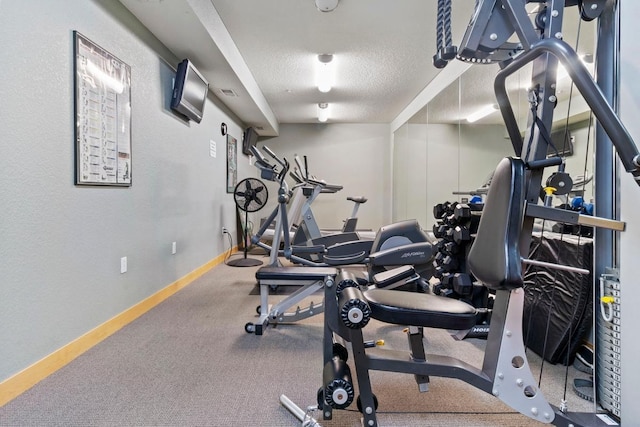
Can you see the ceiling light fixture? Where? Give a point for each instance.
(326, 5)
(325, 72)
(483, 112)
(323, 112)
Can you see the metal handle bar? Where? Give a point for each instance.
(625, 146)
(272, 154)
(258, 154)
(303, 171)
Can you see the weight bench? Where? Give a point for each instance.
(494, 259)
(309, 279)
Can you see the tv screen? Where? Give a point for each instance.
(563, 141)
(249, 139)
(189, 91)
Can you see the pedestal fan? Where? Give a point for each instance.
(250, 195)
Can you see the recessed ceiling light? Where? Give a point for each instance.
(483, 112)
(325, 72)
(323, 112)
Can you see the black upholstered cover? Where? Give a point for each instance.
(495, 257)
(415, 309)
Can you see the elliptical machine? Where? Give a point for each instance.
(396, 244)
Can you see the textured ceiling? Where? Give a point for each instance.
(382, 50)
(265, 51)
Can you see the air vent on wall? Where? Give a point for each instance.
(228, 92)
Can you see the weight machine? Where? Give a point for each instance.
(513, 202)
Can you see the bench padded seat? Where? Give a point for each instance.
(294, 273)
(415, 309)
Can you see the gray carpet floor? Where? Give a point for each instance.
(189, 362)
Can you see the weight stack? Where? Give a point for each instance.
(608, 373)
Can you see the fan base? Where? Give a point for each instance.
(244, 262)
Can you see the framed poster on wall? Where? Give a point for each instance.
(102, 115)
(232, 163)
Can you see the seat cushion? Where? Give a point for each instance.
(294, 273)
(415, 309)
(494, 258)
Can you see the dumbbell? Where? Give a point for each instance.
(438, 246)
(462, 284)
(442, 286)
(451, 248)
(450, 263)
(449, 234)
(442, 291)
(461, 234)
(439, 230)
(438, 258)
(462, 212)
(440, 209)
(438, 271)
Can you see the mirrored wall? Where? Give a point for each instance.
(448, 150)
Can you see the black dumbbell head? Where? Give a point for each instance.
(461, 234)
(451, 248)
(450, 263)
(462, 284)
(462, 212)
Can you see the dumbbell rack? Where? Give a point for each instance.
(455, 227)
(608, 346)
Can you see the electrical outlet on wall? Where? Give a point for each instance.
(123, 264)
(224, 230)
(173, 248)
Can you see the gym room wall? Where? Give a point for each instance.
(355, 156)
(61, 244)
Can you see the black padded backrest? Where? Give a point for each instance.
(495, 257)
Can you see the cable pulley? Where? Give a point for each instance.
(561, 181)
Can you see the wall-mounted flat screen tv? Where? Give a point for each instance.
(249, 139)
(563, 142)
(189, 91)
